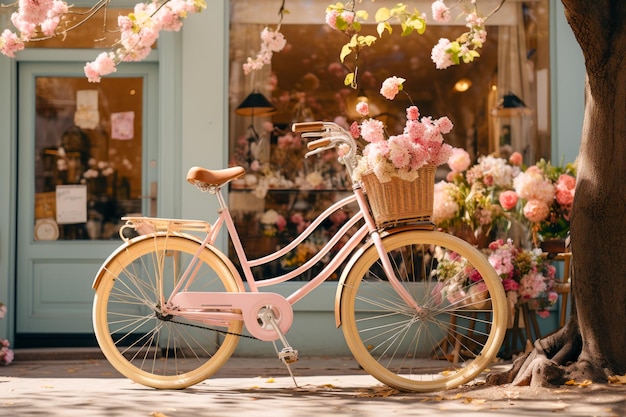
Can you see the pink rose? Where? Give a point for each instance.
(412, 113)
(459, 160)
(355, 130)
(362, 108)
(566, 181)
(536, 211)
(516, 159)
(508, 199)
(564, 197)
(281, 223)
(391, 86)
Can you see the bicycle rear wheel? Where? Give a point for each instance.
(142, 343)
(454, 333)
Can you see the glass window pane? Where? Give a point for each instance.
(88, 157)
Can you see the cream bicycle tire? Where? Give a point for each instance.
(146, 347)
(446, 345)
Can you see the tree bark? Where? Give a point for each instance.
(593, 342)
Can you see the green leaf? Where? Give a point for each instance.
(367, 40)
(382, 14)
(382, 26)
(398, 9)
(345, 51)
(349, 79)
(341, 23)
(417, 22)
(406, 30)
(362, 14)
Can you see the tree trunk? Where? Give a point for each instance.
(593, 342)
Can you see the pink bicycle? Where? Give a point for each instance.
(170, 307)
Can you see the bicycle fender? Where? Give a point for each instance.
(229, 264)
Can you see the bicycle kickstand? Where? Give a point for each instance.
(288, 354)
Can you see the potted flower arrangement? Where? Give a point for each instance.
(545, 194)
(527, 275)
(468, 204)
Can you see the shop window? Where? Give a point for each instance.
(305, 82)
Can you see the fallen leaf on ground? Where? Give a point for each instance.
(617, 379)
(468, 400)
(379, 392)
(582, 384)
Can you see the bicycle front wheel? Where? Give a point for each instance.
(151, 348)
(452, 331)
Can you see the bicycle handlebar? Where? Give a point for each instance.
(319, 143)
(307, 127)
(328, 135)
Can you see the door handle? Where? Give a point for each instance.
(153, 199)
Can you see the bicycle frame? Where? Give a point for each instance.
(225, 219)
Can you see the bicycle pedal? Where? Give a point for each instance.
(288, 355)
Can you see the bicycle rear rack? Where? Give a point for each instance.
(152, 225)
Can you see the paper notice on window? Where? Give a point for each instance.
(71, 204)
(87, 115)
(123, 125)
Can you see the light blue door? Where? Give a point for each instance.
(86, 157)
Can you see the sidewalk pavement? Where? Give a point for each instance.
(79, 382)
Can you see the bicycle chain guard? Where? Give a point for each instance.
(221, 307)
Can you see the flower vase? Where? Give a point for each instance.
(553, 246)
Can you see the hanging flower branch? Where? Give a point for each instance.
(37, 20)
(42, 19)
(271, 41)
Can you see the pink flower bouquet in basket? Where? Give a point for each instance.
(420, 144)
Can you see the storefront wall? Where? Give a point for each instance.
(193, 130)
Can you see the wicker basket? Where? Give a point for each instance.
(399, 201)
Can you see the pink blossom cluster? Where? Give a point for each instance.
(525, 274)
(447, 53)
(538, 192)
(140, 30)
(31, 16)
(493, 171)
(441, 12)
(333, 14)
(391, 87)
(401, 155)
(271, 41)
(6, 354)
